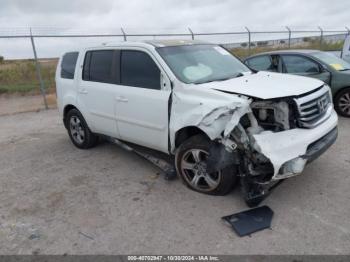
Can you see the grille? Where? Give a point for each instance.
(314, 108)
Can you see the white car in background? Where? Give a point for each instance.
(345, 54)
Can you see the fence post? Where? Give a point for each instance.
(321, 37)
(123, 32)
(191, 32)
(249, 40)
(289, 36)
(38, 70)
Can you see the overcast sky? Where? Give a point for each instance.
(152, 16)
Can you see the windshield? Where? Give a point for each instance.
(332, 60)
(202, 63)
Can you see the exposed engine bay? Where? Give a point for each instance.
(255, 169)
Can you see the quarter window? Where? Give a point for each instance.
(68, 63)
(139, 70)
(299, 64)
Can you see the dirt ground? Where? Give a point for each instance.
(13, 104)
(57, 199)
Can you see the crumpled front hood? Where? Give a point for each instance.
(266, 85)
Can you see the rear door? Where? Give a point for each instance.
(304, 66)
(97, 90)
(142, 100)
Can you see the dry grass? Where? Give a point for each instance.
(19, 76)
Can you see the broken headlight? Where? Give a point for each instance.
(272, 115)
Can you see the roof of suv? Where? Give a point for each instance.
(154, 43)
(162, 43)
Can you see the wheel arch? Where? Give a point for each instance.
(340, 90)
(66, 109)
(337, 108)
(186, 132)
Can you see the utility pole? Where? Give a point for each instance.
(289, 36)
(249, 40)
(321, 37)
(123, 32)
(38, 70)
(191, 32)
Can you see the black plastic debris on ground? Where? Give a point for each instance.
(249, 221)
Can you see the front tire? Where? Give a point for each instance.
(190, 161)
(342, 102)
(79, 132)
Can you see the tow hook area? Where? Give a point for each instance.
(254, 193)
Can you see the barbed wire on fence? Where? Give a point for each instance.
(23, 32)
(64, 32)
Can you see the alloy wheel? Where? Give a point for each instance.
(344, 103)
(193, 168)
(77, 129)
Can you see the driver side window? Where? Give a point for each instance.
(298, 64)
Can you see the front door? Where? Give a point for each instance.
(142, 101)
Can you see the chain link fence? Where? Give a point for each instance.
(28, 56)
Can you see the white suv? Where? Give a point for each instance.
(197, 102)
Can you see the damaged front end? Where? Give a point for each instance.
(262, 138)
(256, 169)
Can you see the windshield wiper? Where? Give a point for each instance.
(220, 79)
(344, 69)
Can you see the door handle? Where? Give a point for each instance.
(83, 91)
(122, 99)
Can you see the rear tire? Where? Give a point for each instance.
(79, 132)
(342, 102)
(191, 167)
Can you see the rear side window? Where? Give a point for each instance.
(261, 63)
(139, 70)
(68, 63)
(102, 66)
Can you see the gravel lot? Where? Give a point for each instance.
(57, 199)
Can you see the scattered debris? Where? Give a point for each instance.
(155, 176)
(249, 221)
(36, 252)
(85, 235)
(34, 235)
